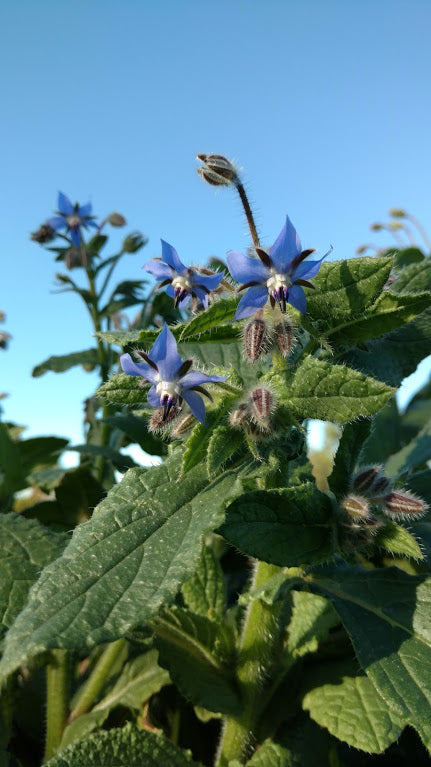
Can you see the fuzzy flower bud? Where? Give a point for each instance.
(239, 416)
(397, 213)
(255, 339)
(284, 333)
(261, 402)
(217, 170)
(45, 233)
(183, 424)
(380, 486)
(402, 505)
(376, 227)
(366, 478)
(356, 506)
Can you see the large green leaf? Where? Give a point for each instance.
(12, 473)
(124, 389)
(220, 312)
(142, 542)
(270, 754)
(390, 311)
(40, 452)
(128, 747)
(386, 613)
(351, 709)
(329, 392)
(344, 289)
(286, 527)
(385, 435)
(25, 548)
(395, 355)
(58, 364)
(205, 592)
(414, 278)
(199, 654)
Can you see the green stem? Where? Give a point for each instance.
(259, 647)
(97, 679)
(57, 675)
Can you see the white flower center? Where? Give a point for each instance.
(168, 389)
(73, 221)
(277, 281)
(182, 281)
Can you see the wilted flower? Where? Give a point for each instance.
(183, 281)
(45, 233)
(171, 378)
(72, 217)
(279, 275)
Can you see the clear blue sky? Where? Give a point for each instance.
(324, 103)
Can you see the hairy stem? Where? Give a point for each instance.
(259, 647)
(97, 679)
(57, 676)
(249, 214)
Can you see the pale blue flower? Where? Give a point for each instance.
(72, 218)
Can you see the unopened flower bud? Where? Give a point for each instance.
(380, 486)
(76, 257)
(133, 242)
(239, 416)
(45, 233)
(395, 226)
(376, 227)
(183, 424)
(116, 219)
(217, 170)
(366, 478)
(356, 506)
(160, 420)
(401, 504)
(397, 213)
(255, 339)
(4, 340)
(361, 249)
(284, 332)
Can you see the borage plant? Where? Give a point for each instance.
(220, 603)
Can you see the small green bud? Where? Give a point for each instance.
(376, 227)
(395, 226)
(134, 242)
(397, 213)
(116, 219)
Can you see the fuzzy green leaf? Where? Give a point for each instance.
(311, 620)
(124, 389)
(142, 542)
(344, 289)
(352, 710)
(223, 443)
(386, 613)
(220, 312)
(128, 747)
(199, 654)
(352, 439)
(197, 444)
(286, 527)
(205, 592)
(329, 392)
(58, 364)
(270, 754)
(398, 540)
(414, 278)
(25, 548)
(390, 311)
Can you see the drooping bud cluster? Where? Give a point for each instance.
(372, 496)
(261, 335)
(217, 170)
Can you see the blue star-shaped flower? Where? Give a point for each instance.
(183, 281)
(279, 275)
(171, 378)
(72, 217)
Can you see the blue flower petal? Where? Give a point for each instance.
(153, 398)
(195, 403)
(286, 247)
(64, 205)
(170, 256)
(251, 301)
(201, 295)
(164, 354)
(85, 210)
(138, 368)
(75, 236)
(245, 269)
(92, 223)
(308, 269)
(209, 281)
(196, 378)
(297, 298)
(57, 222)
(159, 269)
